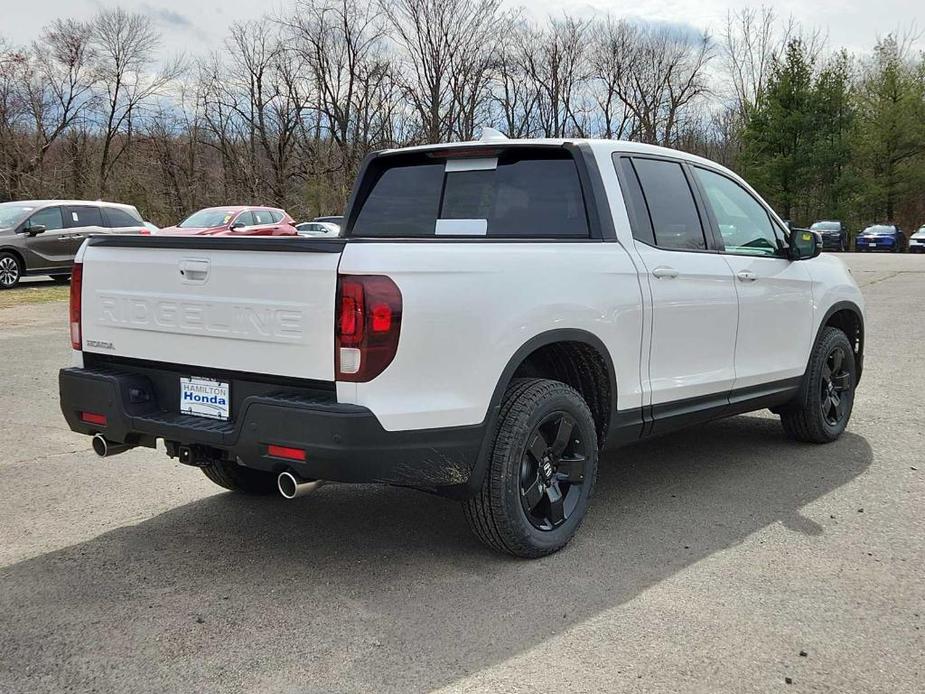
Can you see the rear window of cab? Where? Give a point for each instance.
(515, 193)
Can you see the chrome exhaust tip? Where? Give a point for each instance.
(290, 486)
(105, 448)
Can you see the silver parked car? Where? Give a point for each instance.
(318, 229)
(41, 237)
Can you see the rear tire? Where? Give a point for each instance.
(61, 279)
(10, 270)
(240, 479)
(821, 411)
(541, 471)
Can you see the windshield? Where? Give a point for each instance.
(211, 217)
(826, 226)
(12, 214)
(878, 229)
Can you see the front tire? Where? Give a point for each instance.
(240, 479)
(823, 407)
(10, 270)
(541, 471)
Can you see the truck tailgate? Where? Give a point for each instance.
(221, 305)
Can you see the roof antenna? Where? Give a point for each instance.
(490, 134)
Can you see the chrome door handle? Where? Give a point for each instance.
(665, 272)
(746, 276)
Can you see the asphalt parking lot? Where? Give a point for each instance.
(720, 559)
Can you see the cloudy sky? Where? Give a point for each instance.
(195, 26)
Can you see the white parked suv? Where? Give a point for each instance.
(495, 314)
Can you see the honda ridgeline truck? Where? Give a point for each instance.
(495, 314)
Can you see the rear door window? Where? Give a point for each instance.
(262, 217)
(117, 218)
(82, 216)
(517, 194)
(670, 203)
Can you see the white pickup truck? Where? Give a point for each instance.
(494, 315)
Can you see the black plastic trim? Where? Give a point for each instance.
(291, 244)
(671, 416)
(855, 309)
(600, 221)
(343, 442)
(491, 419)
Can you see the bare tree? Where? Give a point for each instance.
(751, 42)
(126, 46)
(343, 44)
(512, 94)
(446, 45)
(612, 59)
(554, 60)
(656, 72)
(44, 91)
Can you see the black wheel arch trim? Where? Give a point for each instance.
(507, 374)
(856, 310)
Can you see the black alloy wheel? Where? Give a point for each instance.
(552, 471)
(540, 472)
(835, 386)
(821, 410)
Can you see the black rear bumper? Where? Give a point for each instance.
(344, 443)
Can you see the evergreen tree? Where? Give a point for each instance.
(890, 133)
(779, 138)
(833, 125)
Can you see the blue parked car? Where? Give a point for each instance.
(881, 237)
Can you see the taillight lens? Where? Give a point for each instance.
(77, 275)
(367, 328)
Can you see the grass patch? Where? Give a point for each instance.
(25, 294)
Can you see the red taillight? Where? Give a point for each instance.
(367, 326)
(93, 418)
(286, 452)
(350, 322)
(77, 276)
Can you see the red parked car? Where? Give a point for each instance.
(235, 221)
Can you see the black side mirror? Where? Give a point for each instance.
(238, 225)
(805, 244)
(34, 229)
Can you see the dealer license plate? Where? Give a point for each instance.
(205, 397)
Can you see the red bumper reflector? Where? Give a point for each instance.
(286, 452)
(93, 418)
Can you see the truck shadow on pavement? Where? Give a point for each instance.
(371, 588)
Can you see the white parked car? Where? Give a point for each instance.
(495, 314)
(917, 241)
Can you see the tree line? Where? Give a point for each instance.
(286, 110)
